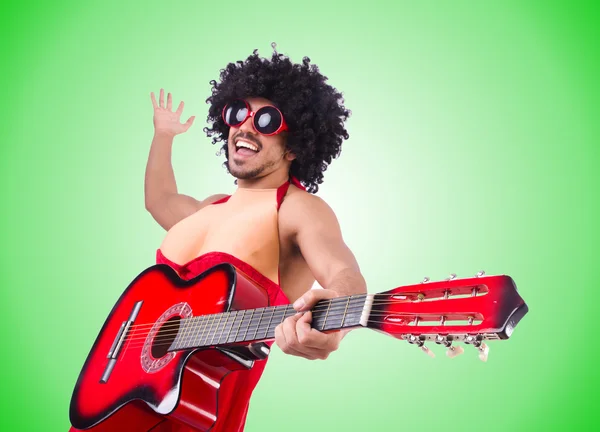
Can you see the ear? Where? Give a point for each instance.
(289, 155)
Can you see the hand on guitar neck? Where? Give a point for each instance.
(296, 336)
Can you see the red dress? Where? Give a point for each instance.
(244, 381)
(237, 387)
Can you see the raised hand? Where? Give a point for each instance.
(165, 120)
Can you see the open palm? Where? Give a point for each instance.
(165, 120)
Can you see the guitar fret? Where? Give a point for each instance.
(326, 313)
(222, 331)
(198, 325)
(270, 320)
(285, 311)
(246, 332)
(240, 326)
(176, 342)
(211, 320)
(192, 324)
(319, 314)
(342, 312)
(356, 312)
(258, 323)
(183, 335)
(336, 315)
(190, 334)
(345, 311)
(284, 315)
(194, 321)
(270, 333)
(203, 328)
(185, 324)
(191, 337)
(234, 315)
(217, 331)
(245, 325)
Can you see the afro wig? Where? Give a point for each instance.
(313, 110)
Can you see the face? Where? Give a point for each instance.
(267, 153)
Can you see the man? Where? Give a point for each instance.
(281, 125)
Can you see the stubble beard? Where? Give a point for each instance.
(239, 173)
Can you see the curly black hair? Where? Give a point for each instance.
(313, 110)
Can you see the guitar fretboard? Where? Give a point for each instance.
(259, 324)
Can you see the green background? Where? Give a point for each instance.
(472, 146)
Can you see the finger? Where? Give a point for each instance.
(180, 108)
(169, 101)
(303, 328)
(314, 339)
(311, 297)
(280, 338)
(161, 98)
(188, 123)
(305, 320)
(289, 331)
(154, 104)
(282, 343)
(310, 337)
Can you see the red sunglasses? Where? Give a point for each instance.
(267, 120)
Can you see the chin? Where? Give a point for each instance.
(242, 173)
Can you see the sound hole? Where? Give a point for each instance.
(165, 337)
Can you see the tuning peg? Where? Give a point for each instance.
(425, 280)
(452, 276)
(420, 342)
(480, 273)
(484, 351)
(428, 351)
(454, 351)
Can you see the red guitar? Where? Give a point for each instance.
(167, 343)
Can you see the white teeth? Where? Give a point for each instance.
(246, 144)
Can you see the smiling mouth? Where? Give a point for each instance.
(245, 148)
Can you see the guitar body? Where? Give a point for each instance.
(148, 385)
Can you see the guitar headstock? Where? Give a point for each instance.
(470, 310)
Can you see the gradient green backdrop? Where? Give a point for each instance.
(473, 146)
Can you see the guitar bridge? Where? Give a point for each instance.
(115, 349)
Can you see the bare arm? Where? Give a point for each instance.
(318, 236)
(162, 199)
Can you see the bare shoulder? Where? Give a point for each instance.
(301, 208)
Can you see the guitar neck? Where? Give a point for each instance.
(253, 325)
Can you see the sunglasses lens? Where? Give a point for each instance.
(235, 113)
(267, 120)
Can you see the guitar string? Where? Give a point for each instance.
(201, 326)
(253, 326)
(137, 345)
(168, 330)
(339, 301)
(274, 311)
(157, 341)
